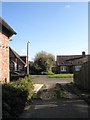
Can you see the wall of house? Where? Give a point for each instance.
(13, 65)
(4, 57)
(21, 66)
(59, 69)
(54, 69)
(16, 65)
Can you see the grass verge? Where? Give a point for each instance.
(35, 76)
(60, 76)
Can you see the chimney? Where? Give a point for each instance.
(83, 54)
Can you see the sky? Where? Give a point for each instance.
(57, 28)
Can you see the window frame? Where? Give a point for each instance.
(78, 68)
(63, 68)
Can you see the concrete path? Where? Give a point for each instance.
(57, 109)
(51, 107)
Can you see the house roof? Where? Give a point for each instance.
(17, 55)
(65, 59)
(5, 26)
(78, 58)
(75, 58)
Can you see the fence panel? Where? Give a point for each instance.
(82, 78)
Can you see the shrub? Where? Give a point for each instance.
(15, 95)
(60, 92)
(16, 77)
(26, 83)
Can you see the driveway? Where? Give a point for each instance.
(50, 107)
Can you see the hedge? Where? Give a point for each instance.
(15, 95)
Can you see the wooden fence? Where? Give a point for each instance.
(82, 78)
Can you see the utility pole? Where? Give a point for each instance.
(28, 58)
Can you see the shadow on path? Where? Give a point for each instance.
(51, 107)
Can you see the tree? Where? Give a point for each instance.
(43, 62)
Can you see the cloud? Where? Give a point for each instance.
(67, 6)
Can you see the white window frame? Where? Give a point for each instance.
(63, 68)
(77, 68)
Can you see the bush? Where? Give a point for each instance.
(26, 83)
(60, 92)
(15, 95)
(16, 77)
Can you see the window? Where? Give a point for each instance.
(77, 68)
(63, 68)
(11, 66)
(20, 67)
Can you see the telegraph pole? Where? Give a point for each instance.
(28, 58)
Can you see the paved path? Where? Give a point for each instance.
(51, 107)
(57, 109)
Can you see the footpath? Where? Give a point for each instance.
(51, 107)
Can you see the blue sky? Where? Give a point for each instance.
(57, 28)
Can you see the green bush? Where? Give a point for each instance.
(60, 92)
(16, 77)
(15, 95)
(25, 83)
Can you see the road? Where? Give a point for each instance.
(49, 82)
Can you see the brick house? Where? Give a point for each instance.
(6, 33)
(69, 63)
(17, 62)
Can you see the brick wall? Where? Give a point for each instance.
(4, 57)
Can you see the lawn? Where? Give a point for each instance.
(60, 76)
(35, 76)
